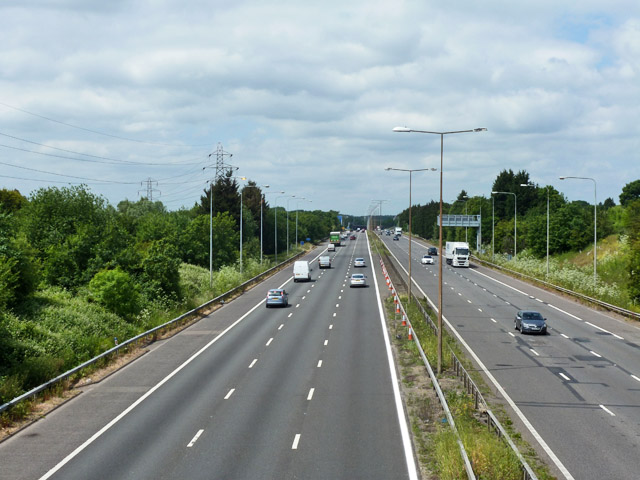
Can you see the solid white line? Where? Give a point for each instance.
(310, 396)
(269, 342)
(565, 312)
(534, 352)
(319, 363)
(565, 377)
(594, 353)
(253, 363)
(635, 378)
(541, 301)
(603, 330)
(295, 442)
(229, 394)
(607, 410)
(195, 439)
(280, 327)
(402, 420)
(149, 392)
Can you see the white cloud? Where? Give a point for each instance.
(305, 95)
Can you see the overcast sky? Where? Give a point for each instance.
(305, 96)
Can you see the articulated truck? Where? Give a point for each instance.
(457, 254)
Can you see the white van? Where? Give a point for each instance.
(301, 271)
(331, 248)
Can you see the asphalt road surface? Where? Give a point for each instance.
(307, 392)
(575, 393)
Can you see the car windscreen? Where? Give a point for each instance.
(531, 316)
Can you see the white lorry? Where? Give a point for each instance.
(457, 254)
(398, 231)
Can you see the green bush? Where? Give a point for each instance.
(117, 291)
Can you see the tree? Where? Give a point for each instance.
(633, 267)
(117, 291)
(161, 268)
(11, 200)
(630, 192)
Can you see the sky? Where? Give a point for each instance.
(130, 95)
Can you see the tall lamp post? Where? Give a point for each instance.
(275, 214)
(288, 200)
(532, 185)
(410, 175)
(297, 208)
(466, 199)
(261, 203)
(595, 234)
(442, 134)
(261, 197)
(515, 223)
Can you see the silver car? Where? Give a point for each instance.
(358, 280)
(530, 321)
(359, 262)
(277, 297)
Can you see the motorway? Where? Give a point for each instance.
(303, 392)
(574, 393)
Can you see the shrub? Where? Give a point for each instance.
(117, 291)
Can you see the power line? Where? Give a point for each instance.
(100, 133)
(110, 160)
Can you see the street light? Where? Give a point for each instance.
(261, 203)
(261, 196)
(531, 185)
(595, 235)
(515, 224)
(442, 134)
(465, 212)
(275, 214)
(288, 200)
(298, 208)
(410, 174)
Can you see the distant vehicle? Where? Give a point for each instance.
(334, 237)
(398, 231)
(277, 297)
(427, 260)
(396, 237)
(353, 237)
(324, 261)
(301, 271)
(433, 251)
(530, 321)
(388, 233)
(359, 262)
(457, 254)
(331, 248)
(358, 280)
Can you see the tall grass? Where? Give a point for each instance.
(55, 329)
